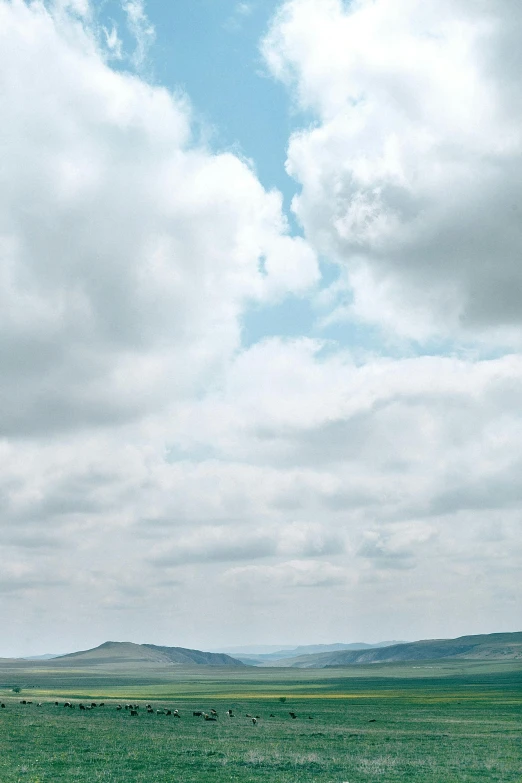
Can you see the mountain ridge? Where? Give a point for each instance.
(308, 649)
(497, 646)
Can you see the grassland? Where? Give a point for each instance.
(435, 723)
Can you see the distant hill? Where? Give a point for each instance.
(307, 649)
(46, 657)
(129, 653)
(495, 646)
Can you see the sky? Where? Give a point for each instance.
(260, 321)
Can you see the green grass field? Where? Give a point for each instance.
(446, 723)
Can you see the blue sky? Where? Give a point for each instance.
(210, 49)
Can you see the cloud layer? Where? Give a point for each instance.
(162, 483)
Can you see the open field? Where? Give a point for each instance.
(435, 723)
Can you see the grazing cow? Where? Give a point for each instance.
(168, 712)
(210, 717)
(23, 701)
(56, 703)
(2, 706)
(254, 721)
(176, 714)
(272, 715)
(102, 704)
(248, 715)
(29, 702)
(292, 714)
(81, 706)
(67, 704)
(160, 712)
(230, 713)
(148, 706)
(39, 704)
(213, 712)
(310, 717)
(119, 707)
(151, 711)
(197, 714)
(134, 712)
(372, 720)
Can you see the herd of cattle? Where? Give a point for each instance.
(134, 710)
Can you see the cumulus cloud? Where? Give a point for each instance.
(128, 252)
(411, 175)
(395, 547)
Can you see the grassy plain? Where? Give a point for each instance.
(430, 723)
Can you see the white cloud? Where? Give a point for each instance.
(141, 28)
(396, 546)
(128, 254)
(411, 176)
(113, 42)
(294, 573)
(156, 468)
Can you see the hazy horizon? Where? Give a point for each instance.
(252, 649)
(260, 321)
